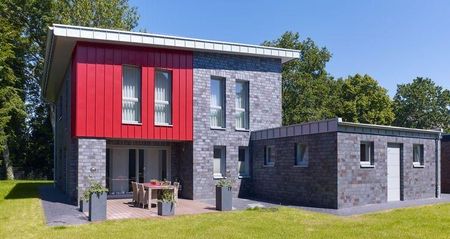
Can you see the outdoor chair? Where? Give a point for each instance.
(143, 196)
(135, 199)
(175, 191)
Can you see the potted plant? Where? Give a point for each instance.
(96, 195)
(154, 182)
(166, 205)
(224, 195)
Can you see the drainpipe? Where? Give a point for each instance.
(53, 122)
(437, 146)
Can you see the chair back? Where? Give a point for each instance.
(135, 191)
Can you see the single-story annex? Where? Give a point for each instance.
(132, 107)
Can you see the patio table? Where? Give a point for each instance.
(151, 187)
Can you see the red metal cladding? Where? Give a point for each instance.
(97, 92)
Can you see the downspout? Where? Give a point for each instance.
(53, 122)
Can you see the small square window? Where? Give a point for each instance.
(243, 162)
(301, 155)
(418, 159)
(219, 161)
(366, 154)
(269, 156)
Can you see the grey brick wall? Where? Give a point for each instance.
(91, 163)
(360, 186)
(314, 185)
(264, 79)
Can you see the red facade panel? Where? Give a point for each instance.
(97, 92)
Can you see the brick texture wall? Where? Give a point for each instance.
(263, 75)
(314, 185)
(359, 186)
(445, 164)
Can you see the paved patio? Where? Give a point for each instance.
(122, 208)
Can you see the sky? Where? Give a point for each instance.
(392, 41)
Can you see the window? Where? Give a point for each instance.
(366, 154)
(301, 155)
(242, 105)
(131, 94)
(269, 159)
(244, 162)
(163, 98)
(219, 161)
(418, 155)
(217, 103)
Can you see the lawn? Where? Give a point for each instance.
(21, 216)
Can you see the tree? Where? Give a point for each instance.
(362, 99)
(308, 90)
(12, 109)
(422, 104)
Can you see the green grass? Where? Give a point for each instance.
(21, 216)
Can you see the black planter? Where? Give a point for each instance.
(97, 207)
(224, 199)
(84, 206)
(166, 208)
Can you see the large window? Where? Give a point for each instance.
(366, 154)
(269, 156)
(219, 161)
(418, 159)
(217, 103)
(131, 94)
(242, 103)
(163, 98)
(244, 162)
(301, 155)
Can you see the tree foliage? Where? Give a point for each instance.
(307, 87)
(422, 104)
(361, 99)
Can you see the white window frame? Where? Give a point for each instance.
(369, 154)
(301, 155)
(268, 153)
(418, 148)
(223, 159)
(246, 162)
(218, 107)
(238, 109)
(164, 102)
(133, 99)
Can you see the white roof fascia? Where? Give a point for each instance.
(166, 41)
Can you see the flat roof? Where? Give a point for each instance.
(337, 125)
(61, 40)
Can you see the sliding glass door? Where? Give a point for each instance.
(125, 165)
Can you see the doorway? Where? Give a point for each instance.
(393, 172)
(126, 165)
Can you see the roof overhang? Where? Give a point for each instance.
(61, 40)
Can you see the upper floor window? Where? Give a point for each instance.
(269, 156)
(301, 155)
(217, 106)
(163, 98)
(131, 94)
(418, 159)
(366, 154)
(242, 103)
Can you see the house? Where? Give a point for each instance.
(445, 166)
(335, 164)
(129, 106)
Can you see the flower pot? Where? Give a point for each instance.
(84, 206)
(224, 197)
(97, 207)
(166, 208)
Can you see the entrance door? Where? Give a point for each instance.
(393, 172)
(156, 164)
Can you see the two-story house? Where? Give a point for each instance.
(130, 106)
